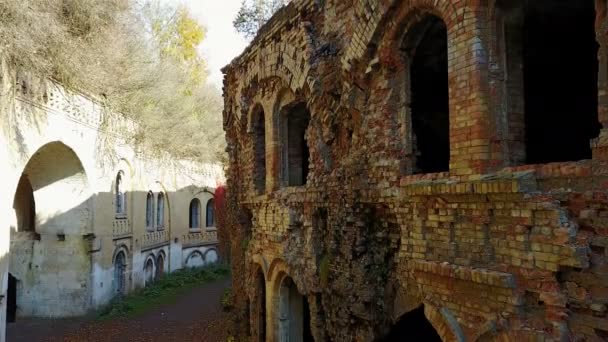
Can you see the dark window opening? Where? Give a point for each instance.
(413, 326)
(210, 218)
(195, 214)
(261, 314)
(160, 267)
(560, 75)
(120, 265)
(150, 211)
(307, 333)
(11, 301)
(296, 154)
(259, 142)
(430, 108)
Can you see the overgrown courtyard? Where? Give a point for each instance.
(186, 305)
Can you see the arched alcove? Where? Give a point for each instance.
(120, 270)
(149, 271)
(259, 305)
(413, 326)
(48, 250)
(293, 314)
(160, 265)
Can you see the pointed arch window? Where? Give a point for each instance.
(210, 218)
(195, 214)
(119, 190)
(150, 211)
(160, 211)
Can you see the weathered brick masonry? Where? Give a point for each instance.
(367, 224)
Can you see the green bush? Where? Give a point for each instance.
(162, 291)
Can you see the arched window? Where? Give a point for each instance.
(195, 214)
(427, 43)
(160, 211)
(121, 203)
(259, 149)
(210, 213)
(120, 265)
(294, 153)
(150, 211)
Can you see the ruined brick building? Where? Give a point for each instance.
(430, 169)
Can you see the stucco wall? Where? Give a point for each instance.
(71, 149)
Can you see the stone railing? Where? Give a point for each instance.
(121, 228)
(199, 238)
(153, 239)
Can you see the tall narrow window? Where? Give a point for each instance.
(150, 211)
(210, 213)
(551, 68)
(259, 149)
(195, 214)
(121, 207)
(430, 110)
(295, 153)
(160, 211)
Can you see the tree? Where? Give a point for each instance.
(254, 14)
(138, 56)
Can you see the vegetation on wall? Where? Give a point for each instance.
(253, 14)
(137, 57)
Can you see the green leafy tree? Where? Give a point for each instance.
(138, 56)
(254, 14)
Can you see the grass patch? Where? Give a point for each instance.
(162, 291)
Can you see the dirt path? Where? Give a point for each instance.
(196, 316)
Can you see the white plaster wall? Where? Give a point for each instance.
(81, 204)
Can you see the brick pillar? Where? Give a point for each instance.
(600, 145)
(470, 126)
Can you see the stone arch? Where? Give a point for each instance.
(210, 256)
(149, 269)
(123, 172)
(434, 323)
(195, 259)
(258, 300)
(259, 260)
(167, 202)
(60, 193)
(387, 22)
(421, 113)
(120, 262)
(160, 265)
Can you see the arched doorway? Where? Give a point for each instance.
(149, 271)
(413, 326)
(160, 266)
(47, 252)
(120, 268)
(260, 306)
(11, 303)
(294, 314)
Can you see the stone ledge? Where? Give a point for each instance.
(480, 276)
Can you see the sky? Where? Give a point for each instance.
(222, 43)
